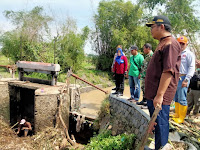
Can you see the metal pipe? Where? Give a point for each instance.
(77, 77)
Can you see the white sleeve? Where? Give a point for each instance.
(191, 65)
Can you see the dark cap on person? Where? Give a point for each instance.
(159, 20)
(133, 47)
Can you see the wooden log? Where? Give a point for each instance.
(15, 125)
(61, 119)
(184, 128)
(148, 130)
(77, 77)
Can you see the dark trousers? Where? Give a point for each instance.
(119, 83)
(162, 127)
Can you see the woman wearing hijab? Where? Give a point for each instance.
(120, 69)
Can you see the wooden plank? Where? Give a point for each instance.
(148, 130)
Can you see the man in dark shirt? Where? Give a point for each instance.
(162, 76)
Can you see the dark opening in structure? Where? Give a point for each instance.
(22, 104)
(87, 130)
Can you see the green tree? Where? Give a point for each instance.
(31, 40)
(182, 14)
(25, 41)
(118, 23)
(70, 45)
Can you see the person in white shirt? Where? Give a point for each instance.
(187, 69)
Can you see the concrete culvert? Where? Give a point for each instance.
(22, 105)
(37, 103)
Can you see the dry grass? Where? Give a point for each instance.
(48, 139)
(8, 140)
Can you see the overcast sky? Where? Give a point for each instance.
(80, 10)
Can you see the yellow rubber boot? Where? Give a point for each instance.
(182, 114)
(176, 114)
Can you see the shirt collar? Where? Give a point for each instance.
(187, 49)
(149, 54)
(165, 37)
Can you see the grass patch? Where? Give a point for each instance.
(4, 60)
(105, 109)
(103, 112)
(105, 141)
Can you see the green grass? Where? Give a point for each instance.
(4, 73)
(90, 74)
(105, 141)
(5, 61)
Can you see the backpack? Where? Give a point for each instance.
(195, 81)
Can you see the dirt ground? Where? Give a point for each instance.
(10, 141)
(91, 103)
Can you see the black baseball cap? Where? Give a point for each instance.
(159, 20)
(133, 47)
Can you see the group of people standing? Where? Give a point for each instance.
(135, 71)
(165, 76)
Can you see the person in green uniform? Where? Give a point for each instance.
(135, 63)
(147, 49)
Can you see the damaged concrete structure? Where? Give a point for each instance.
(38, 103)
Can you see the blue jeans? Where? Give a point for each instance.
(162, 127)
(134, 83)
(181, 92)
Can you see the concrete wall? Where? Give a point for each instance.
(17, 96)
(4, 101)
(127, 117)
(46, 110)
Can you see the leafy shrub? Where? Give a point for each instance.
(105, 108)
(105, 141)
(104, 62)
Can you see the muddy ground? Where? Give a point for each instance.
(52, 138)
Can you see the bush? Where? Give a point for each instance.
(104, 62)
(105, 141)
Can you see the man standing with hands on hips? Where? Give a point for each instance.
(162, 76)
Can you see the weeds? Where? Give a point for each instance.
(105, 141)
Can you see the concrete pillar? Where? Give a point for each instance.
(4, 101)
(46, 109)
(75, 100)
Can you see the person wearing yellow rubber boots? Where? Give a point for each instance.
(187, 69)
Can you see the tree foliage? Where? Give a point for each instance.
(182, 14)
(118, 23)
(31, 40)
(25, 42)
(70, 48)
